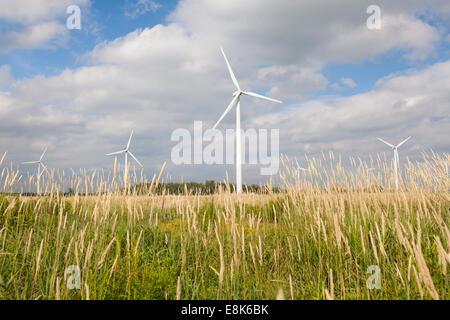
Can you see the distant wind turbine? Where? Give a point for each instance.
(396, 160)
(237, 101)
(39, 163)
(299, 168)
(127, 152)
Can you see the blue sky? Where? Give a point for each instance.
(138, 60)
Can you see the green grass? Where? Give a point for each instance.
(303, 240)
(292, 242)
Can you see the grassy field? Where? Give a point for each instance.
(315, 239)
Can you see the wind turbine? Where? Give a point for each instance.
(396, 160)
(299, 168)
(237, 101)
(127, 152)
(39, 163)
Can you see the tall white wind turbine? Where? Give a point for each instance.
(39, 163)
(127, 152)
(237, 101)
(396, 160)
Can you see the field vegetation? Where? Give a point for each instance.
(313, 237)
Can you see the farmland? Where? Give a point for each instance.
(308, 240)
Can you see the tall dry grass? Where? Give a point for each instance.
(315, 239)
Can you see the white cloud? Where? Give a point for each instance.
(414, 104)
(40, 23)
(32, 11)
(348, 82)
(289, 82)
(300, 32)
(5, 75)
(140, 7)
(35, 37)
(335, 86)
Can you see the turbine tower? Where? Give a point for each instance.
(39, 163)
(127, 152)
(396, 160)
(237, 101)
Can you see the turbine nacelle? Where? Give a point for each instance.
(126, 151)
(393, 147)
(396, 159)
(39, 163)
(238, 93)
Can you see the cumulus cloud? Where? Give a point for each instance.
(348, 82)
(39, 23)
(5, 75)
(140, 7)
(290, 81)
(32, 11)
(35, 37)
(310, 33)
(413, 104)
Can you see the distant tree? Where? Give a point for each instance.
(207, 188)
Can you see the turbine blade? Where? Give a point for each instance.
(132, 155)
(30, 162)
(113, 153)
(252, 94)
(230, 106)
(390, 145)
(129, 140)
(233, 78)
(42, 156)
(401, 143)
